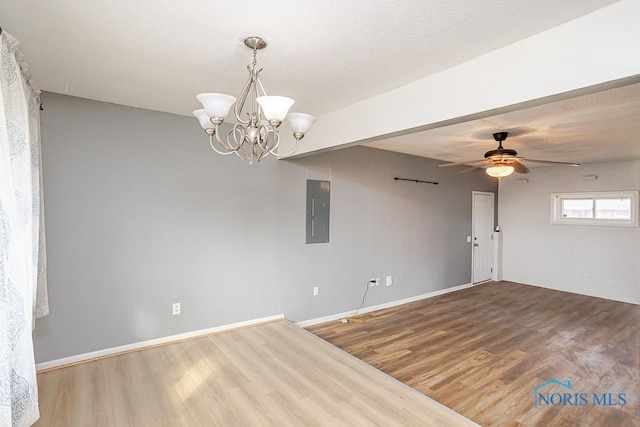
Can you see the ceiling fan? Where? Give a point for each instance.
(502, 161)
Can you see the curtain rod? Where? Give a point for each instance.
(415, 180)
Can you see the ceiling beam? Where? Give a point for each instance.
(591, 50)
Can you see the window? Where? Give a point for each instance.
(618, 208)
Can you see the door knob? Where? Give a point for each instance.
(476, 244)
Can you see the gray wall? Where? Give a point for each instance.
(140, 214)
(414, 232)
(589, 260)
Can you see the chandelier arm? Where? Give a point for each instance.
(255, 107)
(239, 144)
(288, 154)
(242, 98)
(240, 137)
(259, 91)
(265, 147)
(259, 84)
(215, 149)
(263, 155)
(237, 109)
(242, 153)
(256, 153)
(223, 144)
(275, 141)
(256, 79)
(236, 130)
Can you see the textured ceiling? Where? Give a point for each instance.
(599, 127)
(158, 54)
(326, 54)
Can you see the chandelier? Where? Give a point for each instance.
(258, 116)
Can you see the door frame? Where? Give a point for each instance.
(473, 231)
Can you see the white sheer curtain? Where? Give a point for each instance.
(23, 295)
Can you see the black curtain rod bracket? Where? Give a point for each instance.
(415, 180)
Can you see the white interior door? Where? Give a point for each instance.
(482, 232)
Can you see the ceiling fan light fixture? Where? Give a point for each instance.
(500, 171)
(503, 161)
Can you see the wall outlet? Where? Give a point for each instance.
(389, 281)
(374, 281)
(175, 308)
(316, 290)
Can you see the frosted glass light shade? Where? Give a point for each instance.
(275, 107)
(500, 171)
(216, 105)
(300, 122)
(203, 118)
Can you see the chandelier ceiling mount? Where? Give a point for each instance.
(255, 43)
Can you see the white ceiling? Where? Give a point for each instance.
(598, 127)
(157, 54)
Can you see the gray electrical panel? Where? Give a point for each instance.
(318, 203)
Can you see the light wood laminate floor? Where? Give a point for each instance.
(481, 351)
(272, 374)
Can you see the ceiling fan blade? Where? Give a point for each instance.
(522, 159)
(519, 167)
(444, 165)
(486, 162)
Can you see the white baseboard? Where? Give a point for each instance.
(332, 317)
(72, 360)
